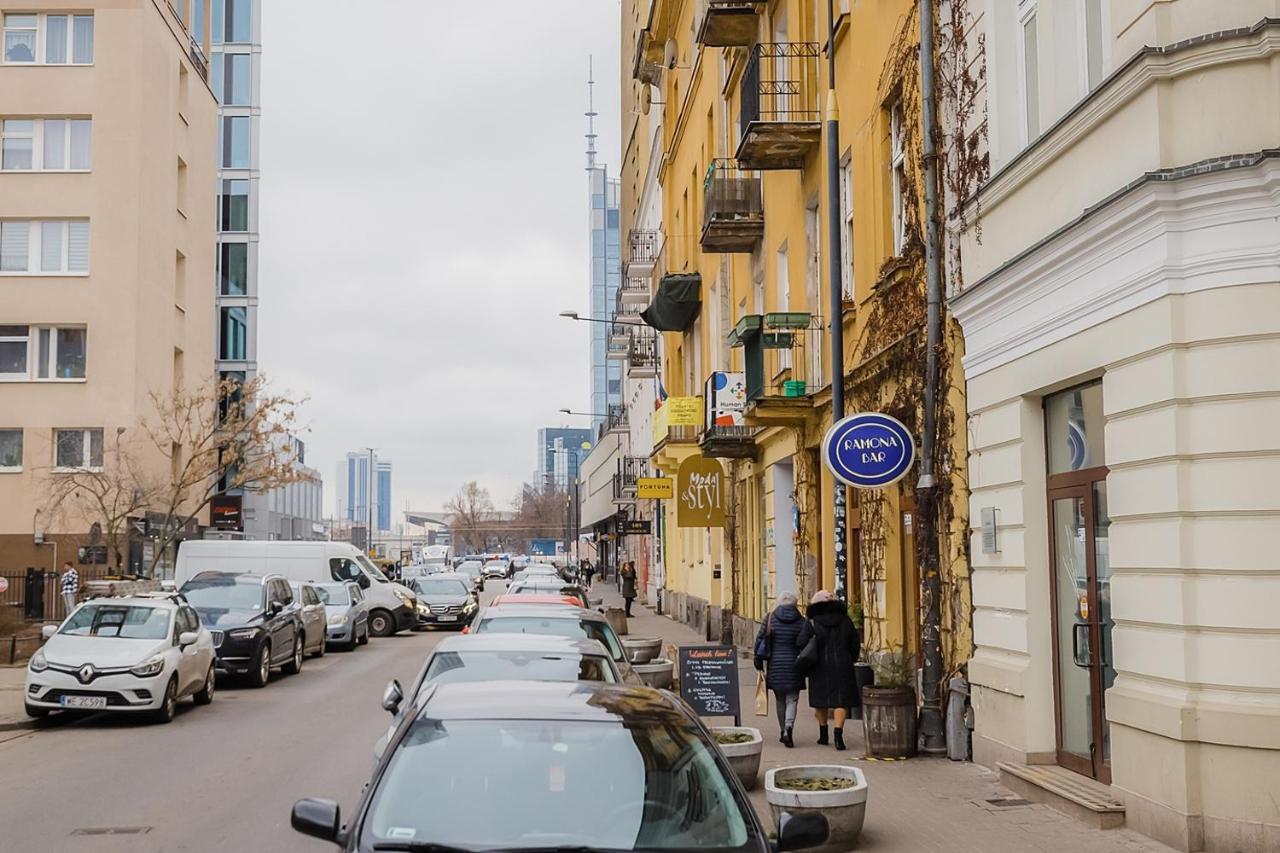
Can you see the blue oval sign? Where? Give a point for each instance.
(868, 450)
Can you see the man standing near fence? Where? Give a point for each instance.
(70, 586)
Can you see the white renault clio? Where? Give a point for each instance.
(123, 654)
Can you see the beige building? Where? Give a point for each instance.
(107, 185)
(1121, 317)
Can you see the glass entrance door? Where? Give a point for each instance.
(1082, 625)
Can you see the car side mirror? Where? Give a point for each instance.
(187, 638)
(392, 697)
(363, 580)
(317, 818)
(47, 631)
(275, 607)
(801, 831)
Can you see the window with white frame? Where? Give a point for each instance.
(43, 353)
(846, 227)
(898, 175)
(1092, 43)
(40, 39)
(1028, 62)
(44, 246)
(10, 451)
(45, 144)
(77, 449)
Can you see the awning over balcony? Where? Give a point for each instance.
(677, 303)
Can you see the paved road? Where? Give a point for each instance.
(222, 777)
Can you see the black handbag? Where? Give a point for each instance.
(807, 659)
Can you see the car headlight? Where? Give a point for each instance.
(151, 666)
(404, 596)
(424, 608)
(37, 662)
(243, 633)
(339, 619)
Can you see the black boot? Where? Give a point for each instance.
(839, 739)
(786, 738)
(822, 736)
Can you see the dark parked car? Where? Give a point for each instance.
(253, 625)
(542, 749)
(448, 601)
(311, 609)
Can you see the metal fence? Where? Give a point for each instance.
(781, 84)
(33, 595)
(794, 361)
(732, 195)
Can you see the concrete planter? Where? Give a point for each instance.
(844, 809)
(744, 758)
(617, 619)
(656, 673)
(642, 649)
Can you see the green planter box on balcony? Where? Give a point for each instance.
(747, 326)
(787, 320)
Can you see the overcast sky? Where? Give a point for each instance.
(424, 219)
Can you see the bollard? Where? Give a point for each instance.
(957, 730)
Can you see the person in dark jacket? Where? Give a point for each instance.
(628, 575)
(833, 690)
(780, 631)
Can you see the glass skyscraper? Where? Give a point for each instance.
(606, 270)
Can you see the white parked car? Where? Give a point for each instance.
(138, 654)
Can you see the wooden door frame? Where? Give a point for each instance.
(1071, 485)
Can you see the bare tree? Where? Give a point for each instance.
(471, 510)
(540, 512)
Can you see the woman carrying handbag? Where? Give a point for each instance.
(830, 645)
(775, 653)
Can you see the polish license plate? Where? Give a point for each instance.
(84, 701)
(448, 618)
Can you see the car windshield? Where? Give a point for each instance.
(223, 592)
(575, 628)
(640, 786)
(369, 567)
(547, 589)
(448, 667)
(333, 593)
(470, 566)
(440, 586)
(114, 620)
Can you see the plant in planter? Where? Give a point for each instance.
(889, 708)
(742, 745)
(838, 792)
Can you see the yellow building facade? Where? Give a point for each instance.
(724, 104)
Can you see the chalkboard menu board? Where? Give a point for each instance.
(709, 680)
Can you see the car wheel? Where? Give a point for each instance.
(34, 712)
(205, 695)
(169, 705)
(261, 672)
(294, 666)
(381, 623)
(364, 638)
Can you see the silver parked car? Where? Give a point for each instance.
(346, 614)
(311, 611)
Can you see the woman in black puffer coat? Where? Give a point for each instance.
(780, 632)
(832, 686)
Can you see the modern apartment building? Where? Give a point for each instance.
(363, 485)
(108, 135)
(295, 511)
(1121, 318)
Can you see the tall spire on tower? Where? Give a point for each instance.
(591, 113)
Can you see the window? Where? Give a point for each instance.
(236, 81)
(1074, 426)
(197, 21)
(1028, 52)
(48, 39)
(846, 227)
(231, 21)
(51, 246)
(1092, 43)
(14, 345)
(233, 142)
(234, 206)
(77, 448)
(17, 144)
(42, 352)
(234, 264)
(233, 344)
(10, 450)
(898, 173)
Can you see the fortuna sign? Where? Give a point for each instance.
(868, 450)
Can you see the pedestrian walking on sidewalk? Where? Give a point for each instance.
(628, 575)
(833, 689)
(587, 571)
(776, 649)
(70, 586)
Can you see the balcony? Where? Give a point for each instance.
(785, 360)
(729, 442)
(780, 119)
(198, 62)
(728, 23)
(616, 419)
(630, 470)
(732, 210)
(618, 345)
(634, 291)
(642, 359)
(642, 254)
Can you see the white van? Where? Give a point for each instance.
(392, 607)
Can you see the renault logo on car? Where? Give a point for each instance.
(86, 673)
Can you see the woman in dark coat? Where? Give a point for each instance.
(777, 637)
(629, 584)
(832, 686)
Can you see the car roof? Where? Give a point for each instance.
(543, 610)
(257, 577)
(507, 600)
(553, 700)
(144, 600)
(446, 576)
(533, 643)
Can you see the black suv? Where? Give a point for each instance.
(253, 625)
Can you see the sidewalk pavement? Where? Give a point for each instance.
(921, 805)
(14, 721)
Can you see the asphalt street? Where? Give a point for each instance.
(217, 778)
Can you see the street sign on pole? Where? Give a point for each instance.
(868, 450)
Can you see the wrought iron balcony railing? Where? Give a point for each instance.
(780, 117)
(642, 359)
(616, 418)
(733, 208)
(783, 354)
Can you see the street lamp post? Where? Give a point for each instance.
(836, 306)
